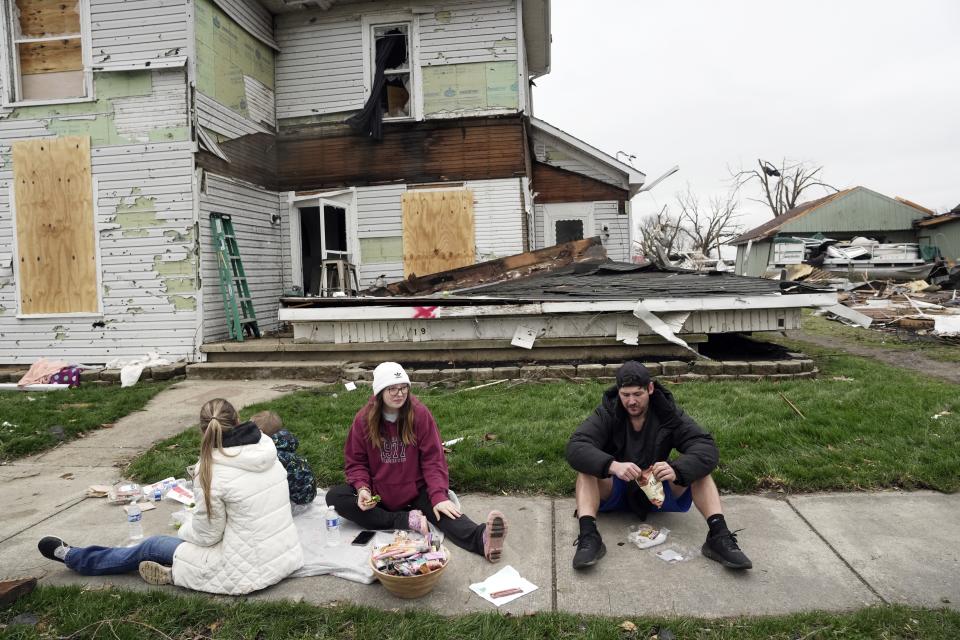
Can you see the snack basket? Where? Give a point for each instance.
(415, 586)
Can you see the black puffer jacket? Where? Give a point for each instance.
(601, 439)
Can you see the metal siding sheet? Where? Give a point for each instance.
(618, 244)
(136, 30)
(253, 17)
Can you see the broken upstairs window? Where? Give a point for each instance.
(392, 84)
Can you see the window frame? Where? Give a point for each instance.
(10, 76)
(412, 20)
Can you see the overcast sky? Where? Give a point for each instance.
(869, 90)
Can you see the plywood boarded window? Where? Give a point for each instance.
(438, 231)
(47, 49)
(53, 209)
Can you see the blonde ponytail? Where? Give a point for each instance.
(215, 416)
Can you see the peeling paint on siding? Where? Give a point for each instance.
(140, 106)
(183, 303)
(443, 17)
(59, 332)
(137, 217)
(175, 237)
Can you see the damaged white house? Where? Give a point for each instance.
(399, 136)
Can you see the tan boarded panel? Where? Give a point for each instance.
(438, 231)
(40, 18)
(55, 225)
(50, 56)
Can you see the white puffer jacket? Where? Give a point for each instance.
(250, 541)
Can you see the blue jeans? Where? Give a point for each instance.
(102, 561)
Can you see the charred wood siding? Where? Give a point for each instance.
(559, 185)
(253, 158)
(480, 149)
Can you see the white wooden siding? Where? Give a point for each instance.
(498, 217)
(618, 226)
(559, 154)
(480, 31)
(584, 325)
(320, 67)
(379, 215)
(128, 31)
(252, 16)
(216, 117)
(139, 314)
(165, 107)
(261, 248)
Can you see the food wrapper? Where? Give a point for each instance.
(652, 487)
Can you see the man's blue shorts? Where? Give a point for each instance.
(617, 501)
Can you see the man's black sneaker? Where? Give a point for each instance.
(48, 546)
(724, 549)
(590, 548)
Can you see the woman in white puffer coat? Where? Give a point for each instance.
(241, 537)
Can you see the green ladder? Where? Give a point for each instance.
(237, 303)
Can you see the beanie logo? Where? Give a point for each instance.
(398, 375)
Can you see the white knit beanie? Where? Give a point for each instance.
(388, 374)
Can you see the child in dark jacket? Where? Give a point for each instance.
(300, 478)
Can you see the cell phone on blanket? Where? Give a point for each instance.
(363, 538)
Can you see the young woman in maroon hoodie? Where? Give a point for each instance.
(394, 451)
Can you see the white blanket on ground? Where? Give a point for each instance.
(344, 560)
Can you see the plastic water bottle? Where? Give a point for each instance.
(333, 527)
(133, 522)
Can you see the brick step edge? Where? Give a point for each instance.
(672, 371)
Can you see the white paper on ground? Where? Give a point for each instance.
(350, 386)
(506, 578)
(669, 555)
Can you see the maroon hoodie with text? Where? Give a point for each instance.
(397, 471)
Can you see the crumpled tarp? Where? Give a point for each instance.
(131, 368)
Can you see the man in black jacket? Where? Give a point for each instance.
(635, 428)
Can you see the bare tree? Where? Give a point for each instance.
(660, 235)
(782, 186)
(708, 227)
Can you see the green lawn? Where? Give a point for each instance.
(114, 614)
(28, 419)
(866, 427)
(820, 326)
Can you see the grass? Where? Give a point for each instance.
(866, 427)
(28, 420)
(820, 326)
(75, 613)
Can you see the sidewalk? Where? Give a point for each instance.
(828, 551)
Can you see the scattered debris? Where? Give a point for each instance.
(626, 625)
(939, 415)
(792, 406)
(67, 476)
(350, 386)
(481, 386)
(98, 490)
